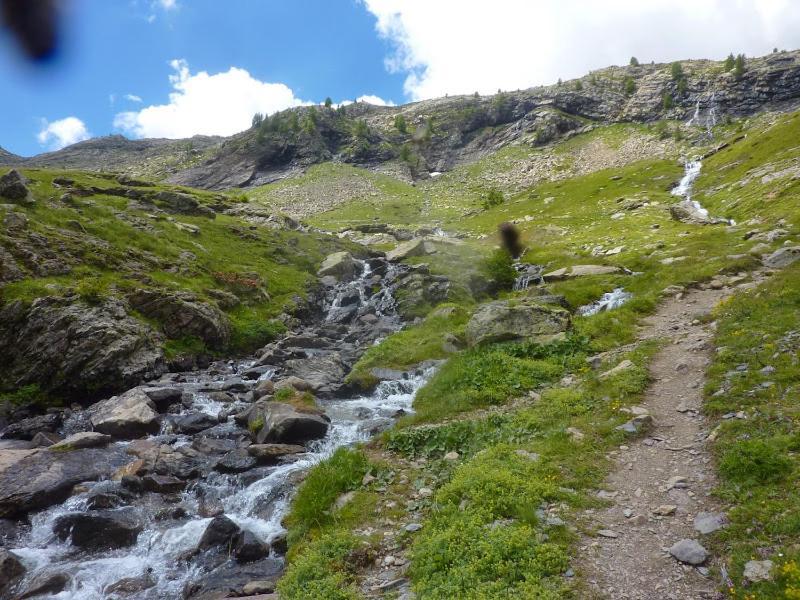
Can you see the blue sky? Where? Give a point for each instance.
(176, 68)
(317, 48)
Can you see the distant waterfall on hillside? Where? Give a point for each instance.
(711, 111)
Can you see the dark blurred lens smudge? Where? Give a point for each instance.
(35, 24)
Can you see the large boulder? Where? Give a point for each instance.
(28, 429)
(516, 320)
(220, 533)
(12, 187)
(323, 374)
(411, 248)
(581, 271)
(35, 479)
(182, 314)
(80, 440)
(278, 423)
(129, 415)
(690, 212)
(340, 265)
(180, 202)
(76, 348)
(783, 257)
(98, 530)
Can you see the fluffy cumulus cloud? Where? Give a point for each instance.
(57, 134)
(463, 46)
(200, 103)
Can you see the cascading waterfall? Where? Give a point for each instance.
(255, 500)
(608, 301)
(684, 190)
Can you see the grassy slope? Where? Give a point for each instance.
(483, 537)
(121, 248)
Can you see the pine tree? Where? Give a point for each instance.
(634, 61)
(328, 102)
(667, 101)
(578, 85)
(400, 124)
(677, 71)
(258, 118)
(730, 62)
(630, 86)
(738, 69)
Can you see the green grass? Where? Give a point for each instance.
(758, 456)
(411, 346)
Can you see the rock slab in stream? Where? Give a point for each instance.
(35, 479)
(274, 422)
(129, 415)
(524, 319)
(97, 530)
(339, 265)
(83, 439)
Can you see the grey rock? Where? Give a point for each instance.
(162, 484)
(10, 569)
(183, 314)
(192, 423)
(236, 461)
(99, 530)
(689, 552)
(706, 522)
(758, 570)
(580, 271)
(274, 422)
(686, 212)
(220, 532)
(35, 479)
(411, 248)
(67, 345)
(248, 548)
(13, 187)
(269, 453)
(523, 319)
(127, 416)
(782, 258)
(84, 439)
(28, 429)
(340, 265)
(45, 583)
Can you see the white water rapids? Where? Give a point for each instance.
(255, 500)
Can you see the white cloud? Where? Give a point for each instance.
(463, 46)
(218, 104)
(57, 134)
(168, 4)
(376, 100)
(133, 98)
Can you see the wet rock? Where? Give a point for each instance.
(263, 388)
(220, 532)
(35, 479)
(758, 570)
(162, 484)
(689, 552)
(301, 385)
(27, 429)
(270, 453)
(10, 569)
(524, 319)
(208, 445)
(13, 187)
(183, 314)
(192, 423)
(236, 461)
(248, 548)
(274, 422)
(129, 415)
(64, 344)
(130, 585)
(782, 258)
(163, 396)
(84, 439)
(340, 265)
(233, 576)
(98, 530)
(258, 586)
(103, 500)
(45, 583)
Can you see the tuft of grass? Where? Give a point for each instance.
(323, 572)
(311, 506)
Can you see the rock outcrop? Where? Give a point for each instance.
(182, 314)
(340, 266)
(506, 320)
(13, 187)
(580, 271)
(78, 349)
(98, 530)
(278, 423)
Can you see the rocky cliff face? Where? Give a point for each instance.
(443, 132)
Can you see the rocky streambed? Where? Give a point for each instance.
(177, 488)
